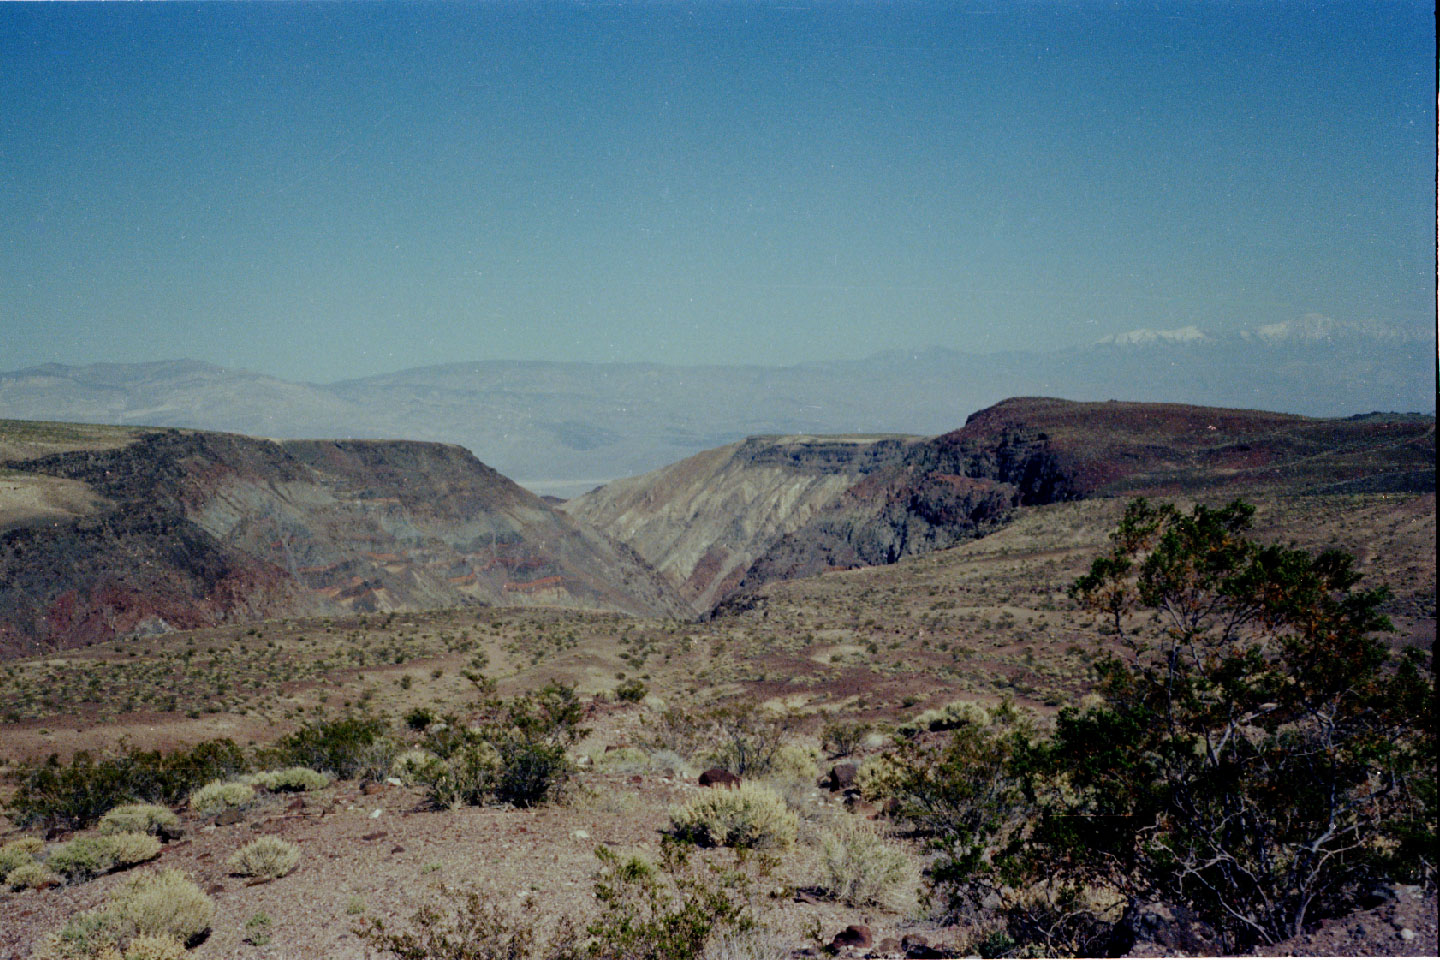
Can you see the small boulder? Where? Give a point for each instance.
(841, 777)
(889, 947)
(372, 788)
(227, 817)
(919, 948)
(719, 777)
(855, 935)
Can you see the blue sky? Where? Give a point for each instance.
(323, 191)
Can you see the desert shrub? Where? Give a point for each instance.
(843, 739)
(148, 818)
(861, 867)
(793, 762)
(952, 716)
(146, 947)
(218, 797)
(76, 794)
(85, 936)
(290, 780)
(350, 747)
(19, 852)
(622, 760)
(875, 778)
(748, 816)
(672, 911)
(631, 691)
(749, 739)
(477, 930)
(680, 731)
(30, 876)
(418, 718)
(1257, 756)
(84, 858)
(407, 765)
(516, 755)
(163, 903)
(266, 858)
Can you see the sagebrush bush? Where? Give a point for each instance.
(795, 762)
(861, 867)
(142, 818)
(30, 876)
(878, 776)
(19, 852)
(84, 858)
(622, 760)
(290, 780)
(220, 796)
(749, 816)
(165, 903)
(408, 764)
(265, 858)
(153, 948)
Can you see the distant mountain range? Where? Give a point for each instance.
(562, 428)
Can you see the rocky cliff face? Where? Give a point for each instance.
(185, 528)
(778, 508)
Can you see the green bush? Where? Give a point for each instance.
(631, 691)
(860, 867)
(19, 852)
(350, 747)
(266, 858)
(75, 795)
(30, 876)
(84, 858)
(748, 816)
(142, 818)
(793, 762)
(146, 947)
(843, 739)
(407, 765)
(214, 798)
(749, 739)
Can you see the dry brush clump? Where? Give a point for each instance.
(86, 857)
(749, 816)
(148, 818)
(265, 858)
(218, 797)
(289, 780)
(860, 866)
(163, 905)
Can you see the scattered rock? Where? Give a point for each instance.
(840, 777)
(919, 948)
(863, 808)
(297, 804)
(375, 814)
(397, 849)
(378, 834)
(227, 817)
(637, 779)
(370, 789)
(719, 777)
(1406, 933)
(855, 935)
(580, 835)
(889, 947)
(214, 888)
(395, 781)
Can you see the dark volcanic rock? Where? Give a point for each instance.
(719, 777)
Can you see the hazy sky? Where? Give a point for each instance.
(329, 190)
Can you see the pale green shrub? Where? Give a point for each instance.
(861, 867)
(92, 934)
(165, 903)
(795, 762)
(141, 818)
(17, 853)
(266, 858)
(408, 765)
(877, 776)
(154, 948)
(290, 780)
(83, 858)
(622, 760)
(218, 797)
(749, 815)
(30, 876)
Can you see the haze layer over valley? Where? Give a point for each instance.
(564, 428)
